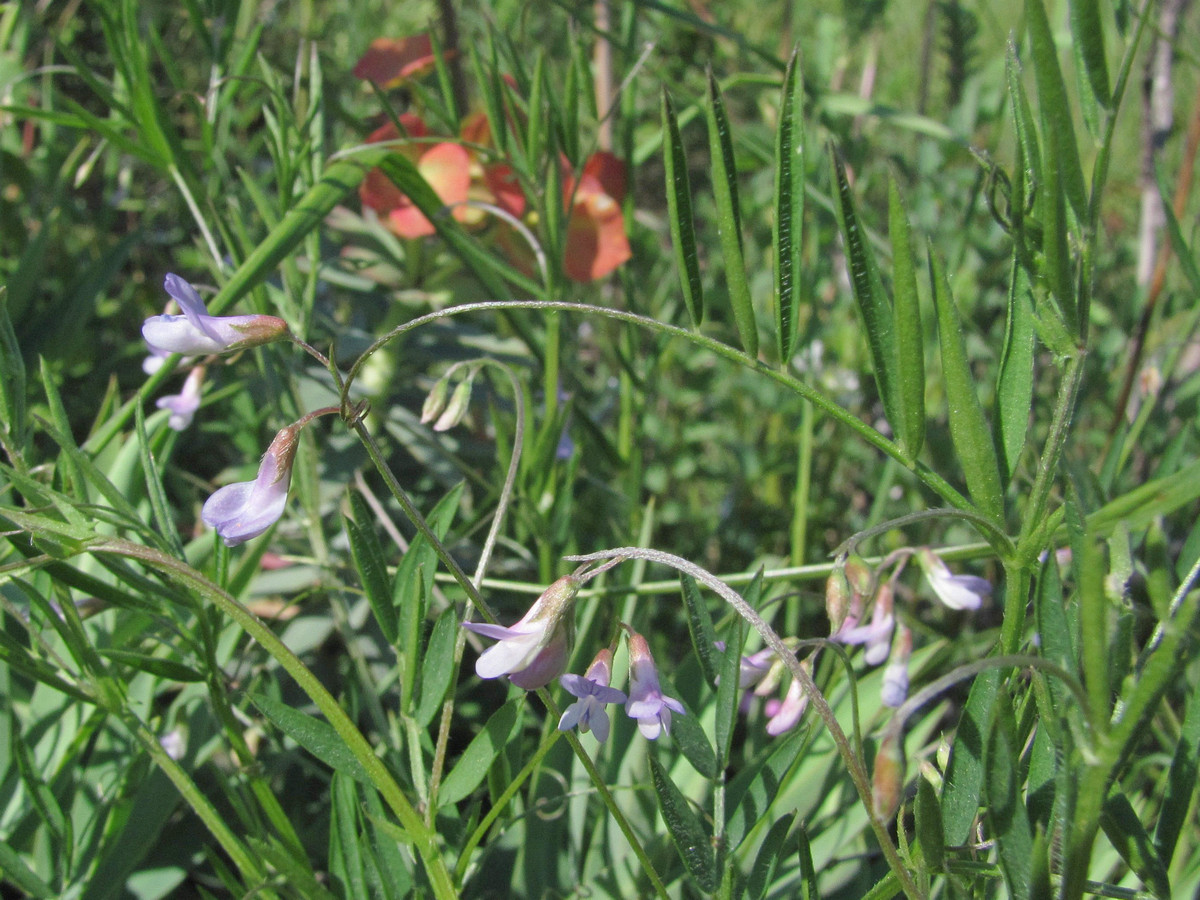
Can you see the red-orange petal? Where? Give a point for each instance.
(596, 241)
(389, 61)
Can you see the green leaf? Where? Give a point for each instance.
(1129, 838)
(754, 788)
(12, 381)
(691, 740)
(437, 667)
(685, 828)
(729, 222)
(315, 735)
(729, 691)
(154, 488)
(679, 213)
(1023, 120)
(1181, 781)
(790, 170)
(910, 342)
(22, 877)
(468, 773)
(168, 669)
(1005, 810)
(968, 426)
(1088, 33)
(1059, 126)
(368, 558)
(700, 626)
(1014, 383)
(873, 305)
(964, 775)
(770, 854)
(808, 872)
(345, 847)
(930, 836)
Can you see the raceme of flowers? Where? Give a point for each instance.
(466, 175)
(535, 650)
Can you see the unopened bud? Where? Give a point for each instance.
(456, 408)
(887, 782)
(435, 402)
(837, 599)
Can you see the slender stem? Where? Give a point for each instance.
(485, 555)
(854, 765)
(1016, 594)
(181, 183)
(926, 475)
(1060, 426)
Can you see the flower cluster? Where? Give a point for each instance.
(469, 177)
(534, 651)
(885, 638)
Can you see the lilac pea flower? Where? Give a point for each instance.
(594, 693)
(196, 332)
(754, 668)
(183, 405)
(534, 651)
(877, 636)
(895, 677)
(246, 509)
(955, 591)
(646, 701)
(787, 715)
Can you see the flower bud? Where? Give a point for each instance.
(456, 408)
(887, 780)
(435, 402)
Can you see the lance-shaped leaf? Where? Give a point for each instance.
(729, 222)
(1014, 385)
(906, 319)
(687, 833)
(679, 213)
(968, 427)
(1005, 809)
(789, 206)
(1128, 836)
(1059, 125)
(873, 304)
(1088, 33)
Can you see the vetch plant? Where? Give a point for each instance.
(670, 319)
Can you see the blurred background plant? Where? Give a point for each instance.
(766, 381)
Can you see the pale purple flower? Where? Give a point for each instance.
(895, 675)
(594, 693)
(534, 651)
(196, 332)
(955, 591)
(754, 668)
(184, 404)
(646, 701)
(787, 715)
(877, 636)
(246, 509)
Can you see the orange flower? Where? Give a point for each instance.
(596, 242)
(445, 166)
(389, 61)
